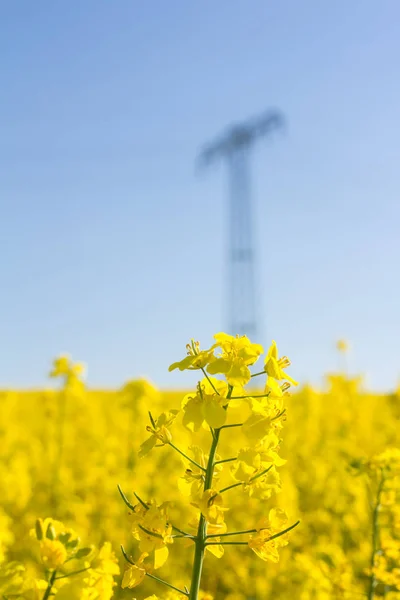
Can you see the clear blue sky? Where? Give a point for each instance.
(113, 248)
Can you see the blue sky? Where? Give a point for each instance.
(113, 247)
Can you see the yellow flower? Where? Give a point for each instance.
(261, 542)
(106, 562)
(53, 553)
(12, 576)
(274, 366)
(160, 432)
(70, 373)
(253, 461)
(211, 505)
(238, 353)
(389, 460)
(195, 359)
(266, 416)
(134, 574)
(191, 484)
(342, 345)
(265, 486)
(206, 405)
(213, 529)
(152, 529)
(35, 590)
(64, 367)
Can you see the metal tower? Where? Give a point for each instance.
(235, 147)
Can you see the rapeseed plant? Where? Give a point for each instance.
(253, 468)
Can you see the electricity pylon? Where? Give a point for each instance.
(235, 148)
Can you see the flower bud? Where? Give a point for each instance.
(64, 537)
(82, 552)
(73, 543)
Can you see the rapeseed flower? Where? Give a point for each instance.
(237, 354)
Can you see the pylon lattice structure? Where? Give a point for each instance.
(235, 148)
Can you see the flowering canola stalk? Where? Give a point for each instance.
(254, 468)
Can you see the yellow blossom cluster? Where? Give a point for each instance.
(253, 467)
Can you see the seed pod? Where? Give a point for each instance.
(39, 529)
(51, 532)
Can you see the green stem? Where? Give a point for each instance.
(259, 373)
(375, 536)
(187, 457)
(260, 474)
(225, 489)
(202, 528)
(50, 585)
(213, 535)
(218, 535)
(152, 533)
(273, 537)
(180, 531)
(167, 584)
(188, 537)
(225, 460)
(210, 382)
(234, 425)
(234, 485)
(279, 415)
(73, 573)
(125, 499)
(146, 506)
(128, 560)
(128, 504)
(198, 558)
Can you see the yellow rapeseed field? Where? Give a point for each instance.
(246, 487)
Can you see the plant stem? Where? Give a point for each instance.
(375, 536)
(180, 531)
(234, 485)
(202, 528)
(50, 585)
(225, 489)
(260, 474)
(210, 382)
(187, 457)
(72, 573)
(214, 535)
(167, 584)
(225, 460)
(218, 535)
(279, 415)
(152, 533)
(259, 373)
